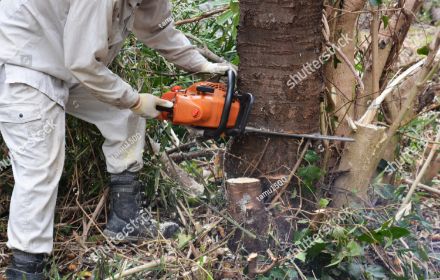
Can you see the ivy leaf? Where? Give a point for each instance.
(354, 249)
(310, 174)
(316, 249)
(311, 157)
(423, 50)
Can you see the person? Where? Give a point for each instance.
(54, 58)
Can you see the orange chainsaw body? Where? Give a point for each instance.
(201, 105)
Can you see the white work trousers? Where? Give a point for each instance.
(33, 127)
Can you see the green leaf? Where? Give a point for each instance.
(355, 270)
(338, 232)
(385, 20)
(398, 232)
(423, 50)
(223, 18)
(301, 256)
(310, 174)
(323, 203)
(421, 252)
(316, 249)
(354, 249)
(311, 157)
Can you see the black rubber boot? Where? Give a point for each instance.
(127, 221)
(26, 266)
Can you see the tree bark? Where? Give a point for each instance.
(275, 40)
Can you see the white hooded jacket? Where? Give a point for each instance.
(54, 44)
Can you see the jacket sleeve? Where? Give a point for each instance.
(154, 26)
(86, 36)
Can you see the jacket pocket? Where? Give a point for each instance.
(19, 113)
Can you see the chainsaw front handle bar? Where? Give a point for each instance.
(226, 109)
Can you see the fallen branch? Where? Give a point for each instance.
(192, 155)
(407, 200)
(96, 213)
(143, 267)
(424, 187)
(176, 173)
(182, 147)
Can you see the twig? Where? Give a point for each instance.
(96, 213)
(202, 16)
(144, 267)
(232, 221)
(418, 178)
(183, 147)
(292, 174)
(375, 50)
(192, 155)
(254, 168)
(424, 187)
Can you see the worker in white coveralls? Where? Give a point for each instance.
(54, 57)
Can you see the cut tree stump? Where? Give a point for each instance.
(249, 212)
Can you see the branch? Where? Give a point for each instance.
(202, 16)
(371, 112)
(424, 187)
(406, 201)
(175, 172)
(144, 267)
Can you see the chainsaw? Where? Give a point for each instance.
(217, 109)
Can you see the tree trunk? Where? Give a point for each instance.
(276, 39)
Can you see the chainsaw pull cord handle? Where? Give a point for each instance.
(226, 109)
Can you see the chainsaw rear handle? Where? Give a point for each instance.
(226, 109)
(164, 109)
